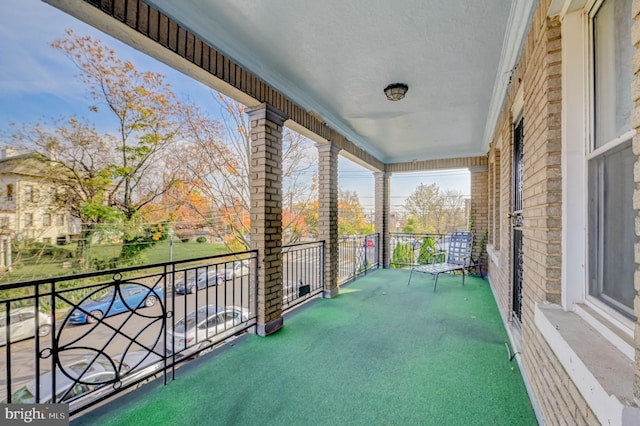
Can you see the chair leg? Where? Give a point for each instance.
(410, 275)
(435, 284)
(463, 277)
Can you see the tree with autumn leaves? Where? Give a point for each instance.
(107, 179)
(166, 162)
(220, 171)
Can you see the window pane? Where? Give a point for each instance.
(611, 228)
(612, 59)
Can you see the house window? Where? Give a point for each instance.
(610, 160)
(46, 240)
(28, 193)
(9, 192)
(4, 222)
(28, 220)
(60, 220)
(46, 219)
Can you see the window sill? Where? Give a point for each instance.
(494, 255)
(602, 373)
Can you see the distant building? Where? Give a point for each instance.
(28, 210)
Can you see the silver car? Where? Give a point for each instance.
(93, 374)
(23, 324)
(198, 328)
(237, 269)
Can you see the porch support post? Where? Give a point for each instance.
(382, 212)
(479, 214)
(266, 212)
(328, 214)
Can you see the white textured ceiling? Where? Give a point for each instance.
(334, 57)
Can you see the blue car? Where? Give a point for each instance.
(130, 297)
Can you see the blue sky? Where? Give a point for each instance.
(39, 83)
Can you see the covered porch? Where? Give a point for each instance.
(381, 352)
(514, 91)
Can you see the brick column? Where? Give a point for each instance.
(328, 214)
(479, 209)
(383, 203)
(266, 212)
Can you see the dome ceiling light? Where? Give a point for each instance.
(396, 91)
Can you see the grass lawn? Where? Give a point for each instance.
(45, 266)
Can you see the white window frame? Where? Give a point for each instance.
(577, 138)
(610, 313)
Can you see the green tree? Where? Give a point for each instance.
(351, 217)
(435, 211)
(425, 204)
(402, 255)
(427, 250)
(111, 177)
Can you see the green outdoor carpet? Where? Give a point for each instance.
(381, 353)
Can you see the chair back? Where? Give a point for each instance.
(460, 245)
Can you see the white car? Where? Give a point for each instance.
(23, 324)
(198, 329)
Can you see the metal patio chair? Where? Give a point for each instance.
(457, 257)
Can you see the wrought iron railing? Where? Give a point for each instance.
(80, 339)
(303, 272)
(357, 255)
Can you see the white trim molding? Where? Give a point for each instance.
(606, 387)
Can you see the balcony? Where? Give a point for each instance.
(380, 353)
(381, 349)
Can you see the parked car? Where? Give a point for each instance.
(23, 324)
(197, 279)
(130, 296)
(93, 375)
(236, 269)
(194, 331)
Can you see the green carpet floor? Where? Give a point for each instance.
(381, 353)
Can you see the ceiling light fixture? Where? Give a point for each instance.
(396, 91)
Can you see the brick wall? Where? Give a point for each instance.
(537, 79)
